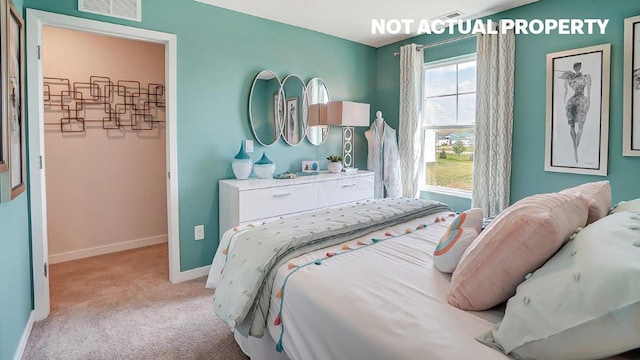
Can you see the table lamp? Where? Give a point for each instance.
(348, 114)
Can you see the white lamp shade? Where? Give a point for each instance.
(348, 113)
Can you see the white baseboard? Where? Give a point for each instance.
(25, 337)
(106, 249)
(191, 274)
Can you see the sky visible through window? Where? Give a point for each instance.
(450, 95)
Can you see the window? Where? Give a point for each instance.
(449, 125)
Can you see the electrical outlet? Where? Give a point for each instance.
(248, 146)
(198, 231)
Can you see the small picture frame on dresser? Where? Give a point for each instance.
(310, 166)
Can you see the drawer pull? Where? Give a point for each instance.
(282, 194)
(348, 186)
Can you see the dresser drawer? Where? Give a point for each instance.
(345, 190)
(275, 201)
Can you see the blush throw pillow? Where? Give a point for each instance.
(461, 233)
(584, 303)
(516, 243)
(598, 197)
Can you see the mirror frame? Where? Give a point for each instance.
(309, 104)
(279, 122)
(305, 110)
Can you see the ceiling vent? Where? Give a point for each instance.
(124, 9)
(452, 15)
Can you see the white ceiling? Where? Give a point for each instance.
(351, 19)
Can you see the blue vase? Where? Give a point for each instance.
(242, 163)
(264, 168)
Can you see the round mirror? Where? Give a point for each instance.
(317, 98)
(266, 107)
(295, 113)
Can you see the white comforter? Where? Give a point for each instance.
(384, 301)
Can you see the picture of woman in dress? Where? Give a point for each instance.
(577, 106)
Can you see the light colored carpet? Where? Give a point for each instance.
(122, 306)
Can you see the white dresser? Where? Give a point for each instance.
(252, 200)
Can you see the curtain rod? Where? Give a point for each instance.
(420, 47)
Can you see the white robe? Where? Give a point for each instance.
(383, 160)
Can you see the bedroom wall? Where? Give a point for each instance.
(528, 175)
(219, 54)
(15, 270)
(106, 189)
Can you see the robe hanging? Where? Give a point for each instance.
(383, 160)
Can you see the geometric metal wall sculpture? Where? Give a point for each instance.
(122, 104)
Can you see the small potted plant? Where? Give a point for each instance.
(335, 163)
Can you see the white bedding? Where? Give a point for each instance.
(384, 301)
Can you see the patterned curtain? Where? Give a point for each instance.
(410, 129)
(494, 122)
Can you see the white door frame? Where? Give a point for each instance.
(35, 21)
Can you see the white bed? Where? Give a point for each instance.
(380, 301)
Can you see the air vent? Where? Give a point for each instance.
(124, 9)
(452, 15)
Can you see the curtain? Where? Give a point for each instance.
(410, 129)
(494, 122)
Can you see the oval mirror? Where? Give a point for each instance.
(295, 119)
(317, 98)
(266, 107)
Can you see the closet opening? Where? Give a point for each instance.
(102, 139)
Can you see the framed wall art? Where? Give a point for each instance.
(3, 76)
(291, 130)
(13, 98)
(631, 117)
(577, 114)
(278, 113)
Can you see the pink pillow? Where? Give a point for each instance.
(598, 198)
(461, 233)
(516, 243)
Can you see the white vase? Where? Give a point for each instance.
(242, 168)
(242, 164)
(264, 168)
(335, 166)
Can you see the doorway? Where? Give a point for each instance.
(36, 20)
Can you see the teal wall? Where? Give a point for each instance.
(528, 175)
(15, 271)
(15, 274)
(219, 53)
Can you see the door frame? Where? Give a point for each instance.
(36, 19)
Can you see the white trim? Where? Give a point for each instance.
(450, 61)
(36, 19)
(107, 249)
(463, 194)
(627, 126)
(192, 274)
(25, 337)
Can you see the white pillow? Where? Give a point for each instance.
(584, 303)
(632, 205)
(461, 233)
